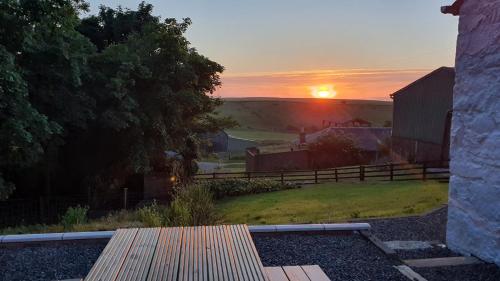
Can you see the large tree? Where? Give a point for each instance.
(112, 92)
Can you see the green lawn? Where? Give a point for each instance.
(331, 202)
(259, 135)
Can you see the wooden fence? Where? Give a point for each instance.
(387, 172)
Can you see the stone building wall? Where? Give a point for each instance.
(474, 204)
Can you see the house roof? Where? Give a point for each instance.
(450, 70)
(366, 138)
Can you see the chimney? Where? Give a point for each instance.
(302, 136)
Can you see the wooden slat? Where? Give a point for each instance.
(214, 267)
(239, 255)
(315, 273)
(227, 263)
(186, 263)
(238, 271)
(254, 267)
(204, 254)
(219, 256)
(138, 261)
(252, 251)
(295, 273)
(160, 264)
(111, 259)
(176, 254)
(275, 273)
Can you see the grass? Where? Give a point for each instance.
(115, 220)
(329, 202)
(333, 202)
(260, 135)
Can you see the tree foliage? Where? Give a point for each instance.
(101, 98)
(335, 151)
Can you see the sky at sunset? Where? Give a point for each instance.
(356, 49)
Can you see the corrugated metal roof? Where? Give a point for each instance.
(367, 139)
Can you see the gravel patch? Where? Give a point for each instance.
(341, 257)
(431, 227)
(483, 272)
(49, 261)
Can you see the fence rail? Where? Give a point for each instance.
(385, 172)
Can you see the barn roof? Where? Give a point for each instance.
(367, 139)
(447, 70)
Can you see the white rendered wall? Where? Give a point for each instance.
(474, 203)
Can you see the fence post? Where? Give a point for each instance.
(42, 209)
(214, 175)
(315, 176)
(424, 172)
(282, 178)
(125, 191)
(248, 176)
(336, 175)
(361, 173)
(392, 172)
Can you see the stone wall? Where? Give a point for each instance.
(474, 204)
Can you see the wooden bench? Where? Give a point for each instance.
(296, 273)
(180, 253)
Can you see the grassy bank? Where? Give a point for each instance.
(329, 202)
(332, 202)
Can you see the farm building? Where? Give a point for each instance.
(369, 139)
(422, 118)
(216, 142)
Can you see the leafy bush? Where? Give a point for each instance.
(193, 205)
(236, 187)
(152, 215)
(74, 216)
(342, 146)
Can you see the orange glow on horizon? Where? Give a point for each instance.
(323, 92)
(370, 84)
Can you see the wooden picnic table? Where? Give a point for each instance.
(224, 252)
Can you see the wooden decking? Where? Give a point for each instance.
(180, 253)
(296, 273)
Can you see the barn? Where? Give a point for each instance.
(422, 117)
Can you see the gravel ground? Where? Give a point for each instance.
(49, 261)
(431, 227)
(341, 257)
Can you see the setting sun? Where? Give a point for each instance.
(323, 92)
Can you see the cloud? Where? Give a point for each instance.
(349, 84)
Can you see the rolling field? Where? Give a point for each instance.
(265, 118)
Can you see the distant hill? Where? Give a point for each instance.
(280, 115)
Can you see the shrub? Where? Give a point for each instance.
(152, 215)
(236, 187)
(355, 215)
(74, 216)
(342, 146)
(193, 205)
